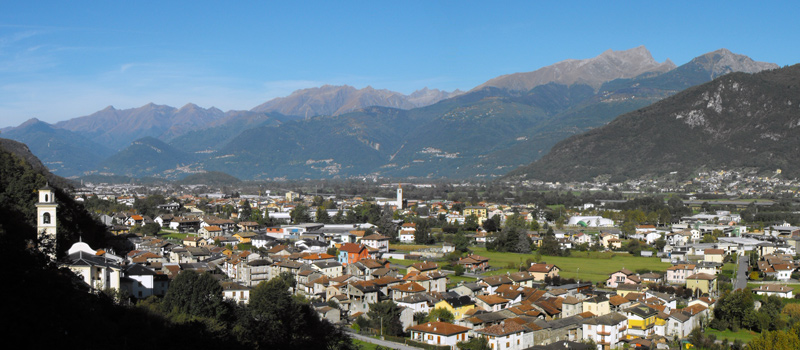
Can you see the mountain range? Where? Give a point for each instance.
(738, 121)
(340, 131)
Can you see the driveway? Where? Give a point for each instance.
(386, 343)
(741, 273)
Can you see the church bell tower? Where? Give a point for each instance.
(46, 216)
(399, 196)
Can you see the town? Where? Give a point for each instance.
(631, 272)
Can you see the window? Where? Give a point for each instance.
(46, 218)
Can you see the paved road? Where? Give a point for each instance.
(741, 275)
(386, 343)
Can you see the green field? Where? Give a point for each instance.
(403, 262)
(592, 266)
(409, 247)
(364, 345)
(743, 334)
(178, 236)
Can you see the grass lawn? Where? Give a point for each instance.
(592, 266)
(404, 262)
(743, 334)
(498, 272)
(729, 269)
(364, 345)
(178, 236)
(454, 280)
(409, 247)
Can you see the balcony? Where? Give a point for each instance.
(605, 334)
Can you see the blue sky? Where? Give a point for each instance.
(64, 59)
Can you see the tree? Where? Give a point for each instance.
(246, 210)
(333, 251)
(420, 317)
(322, 215)
(634, 247)
(461, 241)
(490, 225)
(628, 228)
(660, 244)
(279, 321)
(477, 343)
(550, 246)
(194, 294)
(470, 223)
(150, 229)
(385, 224)
(385, 316)
(733, 307)
(274, 311)
(777, 340)
(441, 315)
(523, 243)
(300, 214)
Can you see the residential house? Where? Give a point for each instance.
(377, 241)
(194, 241)
(458, 306)
(98, 272)
(474, 263)
(507, 335)
(702, 283)
(597, 305)
(403, 290)
(351, 252)
(439, 333)
(480, 212)
(677, 274)
(542, 270)
(775, 289)
(606, 331)
(420, 302)
(571, 306)
(424, 266)
(641, 320)
(142, 282)
(714, 255)
(623, 276)
(408, 232)
(469, 289)
(652, 277)
(210, 231)
(235, 292)
(491, 302)
(491, 283)
(522, 278)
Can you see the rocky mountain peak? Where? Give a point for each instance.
(29, 122)
(594, 71)
(723, 61)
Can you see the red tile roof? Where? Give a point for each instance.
(442, 328)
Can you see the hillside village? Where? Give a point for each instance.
(344, 269)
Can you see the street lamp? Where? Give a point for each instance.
(578, 275)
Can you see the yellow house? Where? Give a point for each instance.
(703, 282)
(478, 211)
(641, 321)
(244, 237)
(598, 305)
(457, 306)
